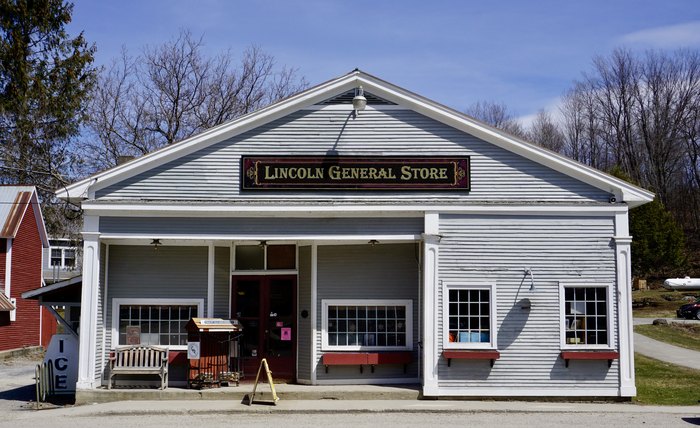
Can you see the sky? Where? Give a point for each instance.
(524, 54)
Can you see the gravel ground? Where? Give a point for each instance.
(17, 383)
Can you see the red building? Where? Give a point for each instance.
(22, 237)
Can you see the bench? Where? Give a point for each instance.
(366, 359)
(589, 355)
(136, 360)
(471, 355)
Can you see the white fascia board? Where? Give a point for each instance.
(115, 237)
(81, 189)
(39, 218)
(622, 190)
(168, 210)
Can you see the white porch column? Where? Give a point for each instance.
(624, 288)
(314, 296)
(210, 279)
(431, 239)
(88, 304)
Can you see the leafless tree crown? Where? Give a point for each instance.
(173, 91)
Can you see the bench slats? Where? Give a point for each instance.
(139, 360)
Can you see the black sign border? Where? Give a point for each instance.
(377, 159)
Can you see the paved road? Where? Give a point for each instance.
(360, 420)
(663, 351)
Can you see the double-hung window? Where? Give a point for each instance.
(353, 325)
(586, 315)
(469, 316)
(153, 321)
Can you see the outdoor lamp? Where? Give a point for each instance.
(359, 102)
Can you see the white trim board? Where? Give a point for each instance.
(339, 211)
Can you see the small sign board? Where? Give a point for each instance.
(286, 334)
(193, 350)
(133, 335)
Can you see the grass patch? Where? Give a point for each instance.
(659, 303)
(665, 384)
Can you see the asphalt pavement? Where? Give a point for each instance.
(663, 351)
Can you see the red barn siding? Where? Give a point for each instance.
(26, 276)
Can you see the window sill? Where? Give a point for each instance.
(589, 355)
(463, 354)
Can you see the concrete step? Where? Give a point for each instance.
(263, 392)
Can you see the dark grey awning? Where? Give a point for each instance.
(61, 293)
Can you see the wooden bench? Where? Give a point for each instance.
(471, 355)
(136, 360)
(589, 355)
(366, 359)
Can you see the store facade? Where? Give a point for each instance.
(401, 242)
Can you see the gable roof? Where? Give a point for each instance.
(623, 191)
(14, 203)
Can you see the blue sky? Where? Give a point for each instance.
(522, 53)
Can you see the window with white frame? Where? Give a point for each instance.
(153, 321)
(469, 316)
(367, 325)
(586, 316)
(63, 253)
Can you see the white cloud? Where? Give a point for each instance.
(670, 36)
(552, 107)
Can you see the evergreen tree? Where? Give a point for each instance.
(658, 242)
(45, 78)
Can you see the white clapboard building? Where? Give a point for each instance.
(363, 234)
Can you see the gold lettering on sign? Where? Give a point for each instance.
(360, 173)
(423, 173)
(294, 173)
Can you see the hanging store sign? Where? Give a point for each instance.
(358, 173)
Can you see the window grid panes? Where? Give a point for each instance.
(586, 315)
(69, 257)
(56, 257)
(367, 326)
(158, 324)
(469, 316)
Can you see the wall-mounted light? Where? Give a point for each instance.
(373, 242)
(528, 271)
(359, 102)
(156, 243)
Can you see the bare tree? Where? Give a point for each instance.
(497, 115)
(639, 113)
(545, 132)
(581, 127)
(173, 91)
